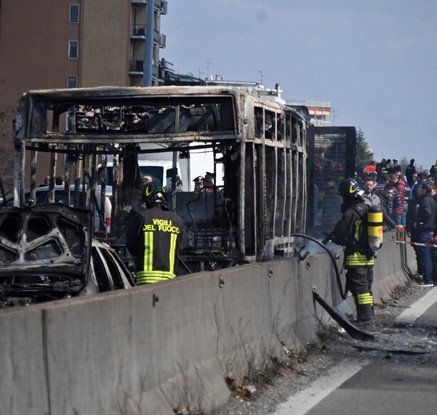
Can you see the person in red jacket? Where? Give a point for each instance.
(400, 185)
(370, 168)
(154, 238)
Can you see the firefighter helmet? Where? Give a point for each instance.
(153, 195)
(349, 189)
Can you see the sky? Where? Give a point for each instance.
(375, 61)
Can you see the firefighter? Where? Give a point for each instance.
(154, 237)
(359, 259)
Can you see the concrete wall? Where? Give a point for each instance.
(154, 348)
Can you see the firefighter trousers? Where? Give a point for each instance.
(359, 282)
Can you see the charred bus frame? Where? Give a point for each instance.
(261, 142)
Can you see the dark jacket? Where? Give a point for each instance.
(349, 232)
(410, 217)
(154, 239)
(426, 214)
(387, 210)
(409, 171)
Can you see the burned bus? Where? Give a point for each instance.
(256, 144)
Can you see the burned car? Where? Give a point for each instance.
(47, 253)
(42, 197)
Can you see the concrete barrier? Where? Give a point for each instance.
(23, 377)
(393, 266)
(155, 348)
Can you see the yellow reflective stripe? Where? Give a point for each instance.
(150, 277)
(172, 252)
(357, 229)
(148, 251)
(158, 273)
(358, 260)
(365, 298)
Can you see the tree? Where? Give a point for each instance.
(364, 153)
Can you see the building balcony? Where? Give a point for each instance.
(136, 67)
(156, 37)
(162, 41)
(159, 39)
(160, 5)
(138, 31)
(164, 7)
(136, 72)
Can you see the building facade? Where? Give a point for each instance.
(74, 43)
(318, 113)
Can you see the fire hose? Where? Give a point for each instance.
(343, 293)
(352, 330)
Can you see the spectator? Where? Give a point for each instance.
(410, 169)
(370, 169)
(395, 167)
(387, 198)
(425, 223)
(420, 176)
(414, 178)
(383, 179)
(380, 167)
(371, 199)
(433, 169)
(409, 226)
(400, 185)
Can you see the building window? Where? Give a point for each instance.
(73, 49)
(74, 13)
(72, 82)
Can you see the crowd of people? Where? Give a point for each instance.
(401, 198)
(407, 197)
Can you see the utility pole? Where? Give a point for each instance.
(333, 115)
(148, 49)
(208, 63)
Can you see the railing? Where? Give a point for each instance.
(162, 41)
(138, 30)
(136, 66)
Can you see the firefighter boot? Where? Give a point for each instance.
(365, 312)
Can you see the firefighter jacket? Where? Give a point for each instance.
(351, 232)
(154, 238)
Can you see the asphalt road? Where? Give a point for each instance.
(396, 374)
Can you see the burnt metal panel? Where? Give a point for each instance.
(262, 144)
(44, 247)
(338, 145)
(332, 153)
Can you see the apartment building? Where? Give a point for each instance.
(69, 43)
(318, 113)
